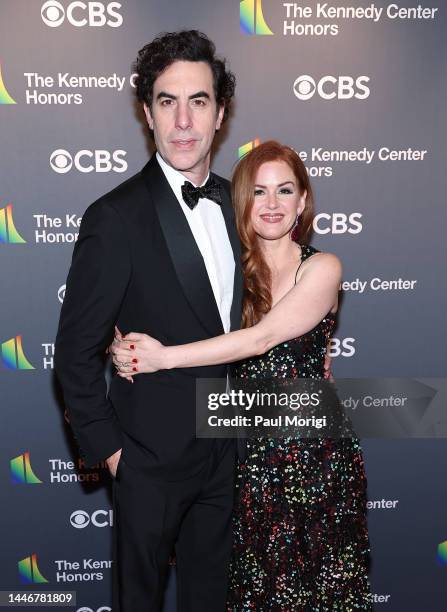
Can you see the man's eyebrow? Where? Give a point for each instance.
(200, 94)
(164, 94)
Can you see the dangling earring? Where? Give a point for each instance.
(294, 230)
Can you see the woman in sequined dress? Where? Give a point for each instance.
(300, 534)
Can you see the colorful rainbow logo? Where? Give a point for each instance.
(13, 356)
(442, 553)
(21, 470)
(252, 19)
(29, 571)
(247, 147)
(8, 231)
(5, 98)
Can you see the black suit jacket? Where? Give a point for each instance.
(136, 264)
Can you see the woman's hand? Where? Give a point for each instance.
(136, 353)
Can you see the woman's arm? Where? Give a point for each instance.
(295, 314)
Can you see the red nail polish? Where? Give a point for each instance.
(135, 369)
(132, 346)
(134, 360)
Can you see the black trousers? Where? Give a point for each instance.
(153, 518)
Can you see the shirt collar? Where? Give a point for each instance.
(174, 177)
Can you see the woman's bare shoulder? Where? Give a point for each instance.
(323, 263)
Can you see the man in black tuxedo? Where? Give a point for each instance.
(159, 256)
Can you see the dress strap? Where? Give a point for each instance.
(302, 259)
(306, 252)
(297, 271)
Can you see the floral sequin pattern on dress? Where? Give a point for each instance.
(300, 532)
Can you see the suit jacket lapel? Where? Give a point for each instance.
(230, 222)
(184, 252)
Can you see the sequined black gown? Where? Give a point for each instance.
(300, 534)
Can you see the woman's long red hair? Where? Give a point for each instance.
(257, 277)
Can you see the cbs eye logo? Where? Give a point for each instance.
(80, 14)
(85, 161)
(80, 519)
(61, 161)
(330, 87)
(61, 293)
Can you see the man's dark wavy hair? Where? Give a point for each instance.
(186, 45)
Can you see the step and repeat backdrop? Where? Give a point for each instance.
(359, 90)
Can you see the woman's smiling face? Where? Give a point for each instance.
(277, 200)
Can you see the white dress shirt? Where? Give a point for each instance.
(208, 227)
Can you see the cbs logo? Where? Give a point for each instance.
(61, 161)
(338, 223)
(80, 519)
(80, 14)
(61, 293)
(330, 87)
(343, 348)
(101, 609)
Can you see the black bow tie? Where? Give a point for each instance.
(191, 195)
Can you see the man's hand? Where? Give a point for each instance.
(112, 462)
(109, 350)
(136, 353)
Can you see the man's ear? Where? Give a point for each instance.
(220, 114)
(148, 114)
